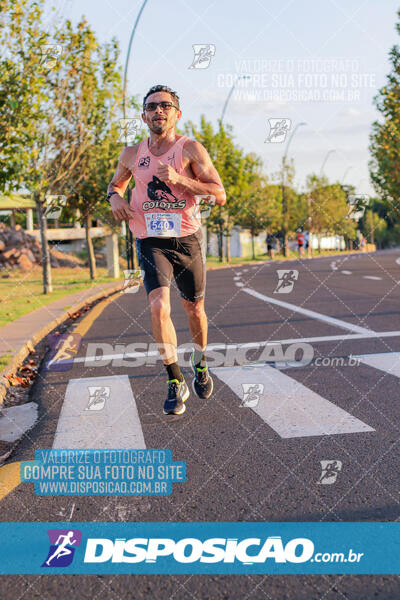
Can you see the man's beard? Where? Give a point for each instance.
(159, 127)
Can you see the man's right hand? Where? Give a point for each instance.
(120, 208)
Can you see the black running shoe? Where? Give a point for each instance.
(178, 393)
(202, 383)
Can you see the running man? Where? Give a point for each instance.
(170, 172)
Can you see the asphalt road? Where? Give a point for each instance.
(240, 465)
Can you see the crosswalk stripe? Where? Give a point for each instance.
(385, 361)
(289, 407)
(99, 412)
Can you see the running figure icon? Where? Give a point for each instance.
(62, 549)
(287, 279)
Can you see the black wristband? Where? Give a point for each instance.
(109, 195)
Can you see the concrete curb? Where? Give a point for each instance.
(29, 345)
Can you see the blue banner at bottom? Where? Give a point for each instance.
(208, 548)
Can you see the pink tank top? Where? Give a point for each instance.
(161, 209)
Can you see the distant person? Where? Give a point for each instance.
(300, 237)
(307, 242)
(271, 245)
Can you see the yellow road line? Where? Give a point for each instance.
(83, 327)
(9, 478)
(10, 474)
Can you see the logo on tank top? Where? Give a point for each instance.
(144, 162)
(171, 160)
(161, 196)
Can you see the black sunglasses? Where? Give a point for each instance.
(151, 106)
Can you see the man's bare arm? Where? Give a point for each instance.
(119, 183)
(208, 181)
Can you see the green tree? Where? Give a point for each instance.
(261, 208)
(94, 98)
(293, 205)
(374, 227)
(62, 97)
(50, 151)
(229, 162)
(26, 100)
(22, 85)
(328, 208)
(237, 170)
(385, 137)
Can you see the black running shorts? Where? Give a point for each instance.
(183, 258)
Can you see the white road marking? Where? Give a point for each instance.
(116, 425)
(309, 313)
(385, 361)
(239, 284)
(237, 278)
(372, 277)
(16, 420)
(288, 407)
(322, 338)
(346, 272)
(398, 260)
(72, 512)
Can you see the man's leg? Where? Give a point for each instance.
(198, 324)
(165, 336)
(190, 277)
(163, 328)
(154, 261)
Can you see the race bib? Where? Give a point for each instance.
(163, 224)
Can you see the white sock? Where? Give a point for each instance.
(199, 356)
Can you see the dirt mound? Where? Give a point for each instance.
(20, 250)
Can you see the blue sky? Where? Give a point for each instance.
(319, 62)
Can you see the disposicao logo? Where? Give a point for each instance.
(190, 550)
(62, 547)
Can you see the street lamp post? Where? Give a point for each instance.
(130, 248)
(230, 94)
(284, 205)
(128, 56)
(221, 235)
(324, 161)
(291, 137)
(345, 173)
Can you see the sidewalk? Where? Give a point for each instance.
(19, 337)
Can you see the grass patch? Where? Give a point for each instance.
(4, 359)
(213, 261)
(22, 293)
